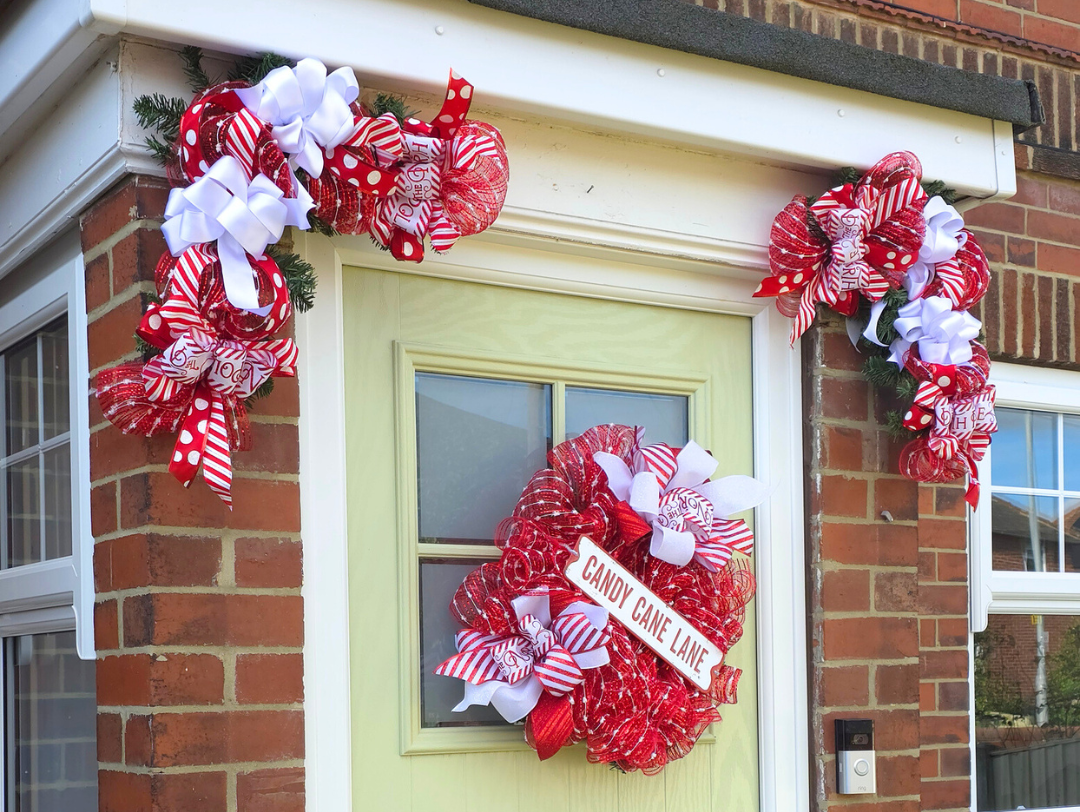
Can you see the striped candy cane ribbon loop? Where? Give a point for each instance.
(365, 159)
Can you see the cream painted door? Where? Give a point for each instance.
(454, 393)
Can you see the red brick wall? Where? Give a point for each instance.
(888, 597)
(199, 619)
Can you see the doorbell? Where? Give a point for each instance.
(856, 773)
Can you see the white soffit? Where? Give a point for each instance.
(538, 69)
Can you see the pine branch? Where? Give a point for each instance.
(894, 299)
(160, 113)
(253, 69)
(145, 348)
(160, 150)
(193, 69)
(907, 386)
(848, 174)
(299, 278)
(937, 188)
(881, 372)
(263, 391)
(388, 103)
(894, 425)
(320, 226)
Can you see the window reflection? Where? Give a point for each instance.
(1027, 712)
(666, 417)
(1024, 532)
(1025, 452)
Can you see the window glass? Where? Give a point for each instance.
(49, 725)
(665, 416)
(1072, 451)
(1027, 712)
(1025, 449)
(477, 441)
(36, 462)
(1025, 532)
(439, 579)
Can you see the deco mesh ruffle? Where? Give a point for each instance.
(636, 712)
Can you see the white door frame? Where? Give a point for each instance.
(605, 273)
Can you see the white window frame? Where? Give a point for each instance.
(57, 595)
(1016, 593)
(1020, 593)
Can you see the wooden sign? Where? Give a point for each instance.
(643, 614)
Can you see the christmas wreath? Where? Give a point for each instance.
(892, 254)
(278, 145)
(539, 650)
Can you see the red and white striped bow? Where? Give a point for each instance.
(414, 209)
(671, 490)
(854, 239)
(511, 671)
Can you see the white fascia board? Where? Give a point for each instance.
(537, 69)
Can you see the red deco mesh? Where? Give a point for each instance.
(473, 198)
(974, 270)
(637, 712)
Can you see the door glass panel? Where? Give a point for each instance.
(23, 519)
(1025, 532)
(1027, 712)
(439, 579)
(1025, 449)
(50, 725)
(477, 442)
(21, 396)
(666, 417)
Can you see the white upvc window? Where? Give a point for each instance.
(47, 698)
(1025, 597)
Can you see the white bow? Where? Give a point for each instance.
(944, 335)
(242, 217)
(309, 111)
(693, 466)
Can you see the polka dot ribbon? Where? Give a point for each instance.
(855, 239)
(414, 208)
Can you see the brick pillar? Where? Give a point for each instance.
(864, 576)
(888, 596)
(199, 619)
(943, 639)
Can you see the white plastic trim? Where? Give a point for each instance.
(997, 592)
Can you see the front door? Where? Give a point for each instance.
(455, 392)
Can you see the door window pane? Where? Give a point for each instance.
(439, 579)
(478, 442)
(1027, 712)
(50, 725)
(1025, 532)
(665, 417)
(1025, 453)
(1071, 427)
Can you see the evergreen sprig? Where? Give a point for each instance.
(161, 114)
(389, 103)
(264, 390)
(253, 69)
(894, 425)
(299, 276)
(937, 188)
(145, 348)
(848, 174)
(197, 79)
